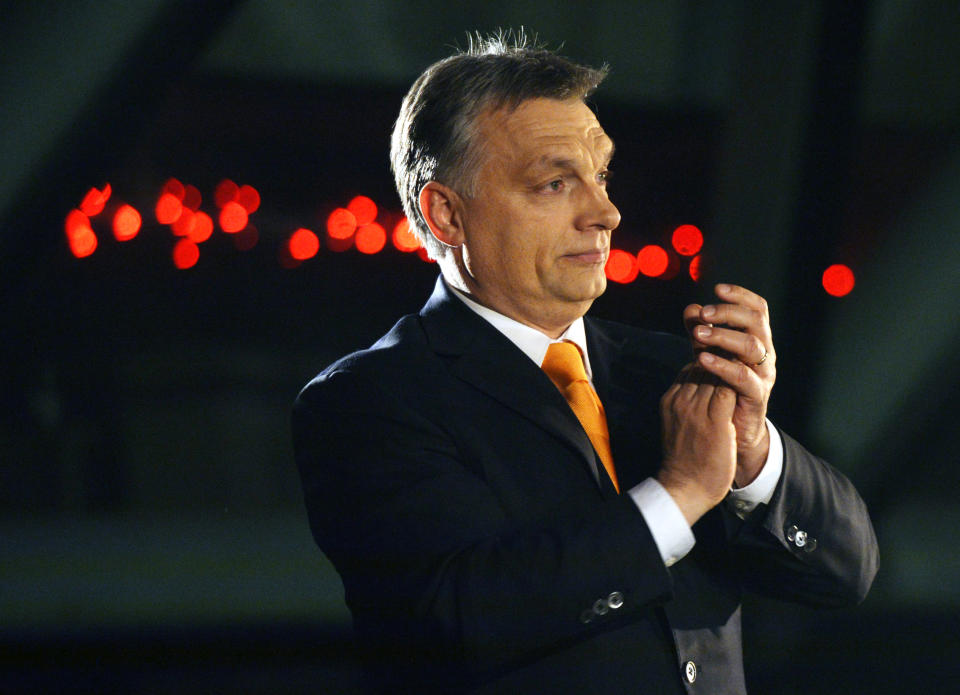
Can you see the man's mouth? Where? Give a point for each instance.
(588, 256)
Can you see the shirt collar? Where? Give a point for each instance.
(531, 342)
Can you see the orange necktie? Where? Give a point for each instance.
(564, 365)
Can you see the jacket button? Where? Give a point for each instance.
(792, 533)
(690, 671)
(615, 600)
(600, 607)
(586, 617)
(801, 539)
(811, 545)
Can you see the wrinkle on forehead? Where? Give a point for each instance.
(547, 131)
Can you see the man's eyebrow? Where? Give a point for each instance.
(549, 161)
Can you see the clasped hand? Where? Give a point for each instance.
(714, 414)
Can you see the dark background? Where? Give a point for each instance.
(152, 538)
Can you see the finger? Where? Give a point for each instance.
(746, 347)
(736, 316)
(734, 294)
(723, 400)
(735, 374)
(668, 398)
(683, 387)
(691, 316)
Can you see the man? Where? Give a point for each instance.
(485, 540)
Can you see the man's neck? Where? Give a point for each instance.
(552, 329)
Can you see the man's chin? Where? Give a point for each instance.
(585, 292)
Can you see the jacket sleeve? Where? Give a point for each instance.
(428, 556)
(814, 544)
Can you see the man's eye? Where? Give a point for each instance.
(605, 176)
(555, 185)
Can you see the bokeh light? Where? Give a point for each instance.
(202, 228)
(838, 280)
(233, 217)
(687, 239)
(404, 239)
(185, 223)
(364, 209)
(126, 223)
(246, 238)
(225, 192)
(621, 266)
(370, 238)
(191, 197)
(303, 244)
(341, 224)
(695, 268)
(249, 198)
(168, 209)
(653, 260)
(95, 200)
(185, 254)
(75, 220)
(80, 237)
(174, 188)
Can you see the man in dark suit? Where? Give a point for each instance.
(499, 531)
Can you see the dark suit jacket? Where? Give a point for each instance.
(452, 487)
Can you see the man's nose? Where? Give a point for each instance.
(598, 213)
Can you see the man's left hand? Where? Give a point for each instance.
(732, 340)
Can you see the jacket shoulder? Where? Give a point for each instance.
(398, 349)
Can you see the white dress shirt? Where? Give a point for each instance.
(667, 524)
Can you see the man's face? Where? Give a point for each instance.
(537, 229)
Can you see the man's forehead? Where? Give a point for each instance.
(550, 124)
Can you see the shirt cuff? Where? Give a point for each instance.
(666, 522)
(745, 499)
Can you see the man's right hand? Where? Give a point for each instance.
(699, 442)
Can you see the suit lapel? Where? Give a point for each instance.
(483, 357)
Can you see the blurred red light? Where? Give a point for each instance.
(75, 220)
(246, 238)
(341, 224)
(838, 280)
(371, 238)
(303, 244)
(695, 268)
(202, 228)
(249, 198)
(174, 188)
(185, 254)
(82, 241)
(225, 192)
(191, 197)
(233, 218)
(364, 209)
(169, 208)
(95, 200)
(403, 237)
(183, 226)
(621, 266)
(653, 261)
(126, 223)
(687, 240)
(339, 245)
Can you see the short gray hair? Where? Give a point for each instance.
(434, 138)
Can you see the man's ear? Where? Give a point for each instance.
(440, 206)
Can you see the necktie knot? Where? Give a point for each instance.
(563, 363)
